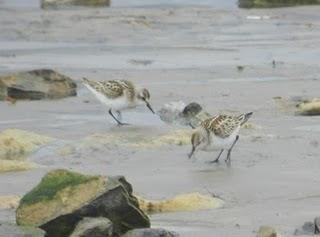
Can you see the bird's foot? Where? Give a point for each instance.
(213, 161)
(120, 124)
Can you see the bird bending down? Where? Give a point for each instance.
(221, 131)
(118, 95)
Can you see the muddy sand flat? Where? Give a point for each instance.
(183, 53)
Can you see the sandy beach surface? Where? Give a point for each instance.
(180, 52)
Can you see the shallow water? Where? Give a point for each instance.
(135, 3)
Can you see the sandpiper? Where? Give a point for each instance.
(220, 132)
(118, 95)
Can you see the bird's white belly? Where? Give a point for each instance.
(218, 143)
(119, 103)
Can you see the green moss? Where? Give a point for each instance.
(274, 3)
(52, 183)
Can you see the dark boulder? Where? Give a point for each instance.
(93, 227)
(64, 198)
(37, 85)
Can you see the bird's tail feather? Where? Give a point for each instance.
(245, 117)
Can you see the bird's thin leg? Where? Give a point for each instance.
(119, 115)
(119, 122)
(192, 151)
(217, 159)
(230, 150)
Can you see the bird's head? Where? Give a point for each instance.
(143, 97)
(198, 138)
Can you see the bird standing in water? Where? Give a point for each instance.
(221, 131)
(118, 95)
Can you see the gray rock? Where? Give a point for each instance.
(93, 227)
(47, 4)
(308, 228)
(317, 225)
(150, 233)
(37, 85)
(11, 230)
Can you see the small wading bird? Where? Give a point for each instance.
(220, 132)
(118, 95)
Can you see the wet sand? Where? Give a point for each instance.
(194, 54)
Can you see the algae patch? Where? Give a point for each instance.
(184, 202)
(14, 165)
(101, 142)
(9, 202)
(16, 144)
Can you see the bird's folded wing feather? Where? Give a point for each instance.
(110, 89)
(222, 125)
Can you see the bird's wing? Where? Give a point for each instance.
(111, 89)
(128, 89)
(221, 125)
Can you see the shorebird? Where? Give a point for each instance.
(118, 95)
(220, 132)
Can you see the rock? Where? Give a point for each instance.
(317, 225)
(298, 105)
(64, 198)
(309, 107)
(150, 233)
(272, 3)
(308, 228)
(267, 231)
(37, 85)
(47, 4)
(11, 230)
(3, 91)
(184, 202)
(16, 144)
(93, 227)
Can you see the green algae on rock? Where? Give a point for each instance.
(274, 3)
(52, 183)
(63, 198)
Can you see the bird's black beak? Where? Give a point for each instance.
(149, 107)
